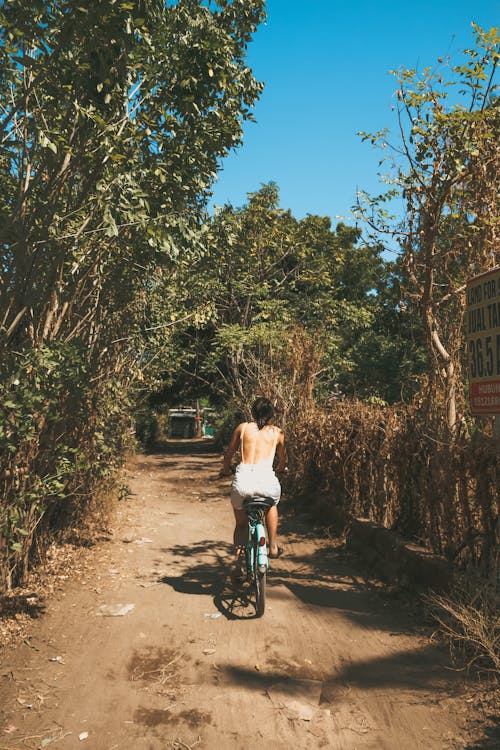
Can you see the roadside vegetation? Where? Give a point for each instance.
(114, 118)
(120, 294)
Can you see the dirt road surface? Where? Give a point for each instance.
(334, 663)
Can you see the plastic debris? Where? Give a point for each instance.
(213, 615)
(300, 697)
(58, 659)
(136, 540)
(9, 728)
(83, 736)
(114, 610)
(22, 702)
(48, 741)
(208, 651)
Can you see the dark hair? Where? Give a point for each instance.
(262, 411)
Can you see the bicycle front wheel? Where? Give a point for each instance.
(260, 586)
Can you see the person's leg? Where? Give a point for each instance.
(239, 538)
(240, 529)
(272, 530)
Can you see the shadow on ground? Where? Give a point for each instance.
(194, 447)
(318, 580)
(491, 738)
(212, 578)
(12, 605)
(412, 670)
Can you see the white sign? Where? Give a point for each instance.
(483, 342)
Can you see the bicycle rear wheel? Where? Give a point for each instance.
(260, 586)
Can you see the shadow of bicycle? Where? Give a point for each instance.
(207, 572)
(236, 602)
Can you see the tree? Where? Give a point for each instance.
(446, 167)
(268, 279)
(115, 115)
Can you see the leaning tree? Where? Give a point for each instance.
(444, 164)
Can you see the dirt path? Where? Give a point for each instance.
(334, 663)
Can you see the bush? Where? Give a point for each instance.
(469, 618)
(62, 437)
(395, 466)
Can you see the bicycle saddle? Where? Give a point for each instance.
(258, 501)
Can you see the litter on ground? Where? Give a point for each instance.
(114, 610)
(299, 697)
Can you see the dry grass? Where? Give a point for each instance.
(20, 607)
(395, 466)
(469, 619)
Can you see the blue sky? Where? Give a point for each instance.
(325, 67)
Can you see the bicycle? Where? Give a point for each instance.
(254, 559)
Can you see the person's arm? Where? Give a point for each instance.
(281, 452)
(231, 450)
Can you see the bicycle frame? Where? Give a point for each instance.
(256, 540)
(256, 557)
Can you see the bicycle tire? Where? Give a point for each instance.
(260, 586)
(247, 570)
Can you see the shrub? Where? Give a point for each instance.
(61, 439)
(469, 618)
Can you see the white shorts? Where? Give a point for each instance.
(254, 479)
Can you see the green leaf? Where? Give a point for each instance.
(46, 142)
(111, 229)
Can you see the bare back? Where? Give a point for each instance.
(258, 446)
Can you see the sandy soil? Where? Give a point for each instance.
(334, 663)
